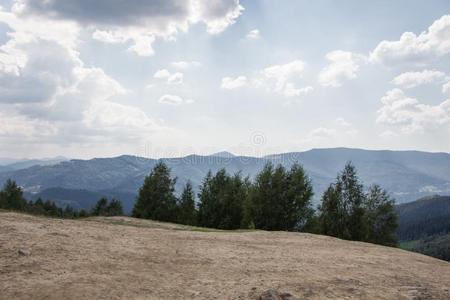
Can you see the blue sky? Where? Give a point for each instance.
(169, 78)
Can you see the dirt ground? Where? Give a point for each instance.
(124, 258)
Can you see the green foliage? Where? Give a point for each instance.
(222, 200)
(280, 199)
(11, 197)
(381, 217)
(156, 199)
(348, 213)
(103, 208)
(187, 213)
(435, 245)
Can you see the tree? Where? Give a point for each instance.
(187, 213)
(297, 205)
(281, 200)
(381, 217)
(222, 200)
(114, 208)
(11, 197)
(352, 194)
(156, 199)
(349, 213)
(100, 208)
(331, 213)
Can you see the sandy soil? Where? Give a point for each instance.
(124, 258)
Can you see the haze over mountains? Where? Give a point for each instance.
(407, 175)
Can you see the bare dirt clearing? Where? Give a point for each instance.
(124, 258)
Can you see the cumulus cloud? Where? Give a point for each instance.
(175, 78)
(50, 95)
(136, 21)
(185, 64)
(412, 48)
(174, 100)
(291, 91)
(410, 115)
(446, 86)
(342, 66)
(413, 79)
(280, 79)
(253, 35)
(342, 129)
(230, 83)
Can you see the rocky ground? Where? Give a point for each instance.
(125, 258)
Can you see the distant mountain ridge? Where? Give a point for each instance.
(407, 175)
(18, 164)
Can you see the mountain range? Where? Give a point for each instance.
(407, 175)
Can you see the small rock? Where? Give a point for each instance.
(23, 252)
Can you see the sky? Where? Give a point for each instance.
(167, 78)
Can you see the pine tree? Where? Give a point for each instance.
(156, 199)
(11, 197)
(100, 208)
(297, 201)
(331, 212)
(281, 200)
(187, 213)
(222, 200)
(381, 217)
(114, 208)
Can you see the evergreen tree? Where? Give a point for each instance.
(222, 200)
(156, 199)
(297, 205)
(281, 200)
(331, 212)
(347, 212)
(381, 217)
(100, 208)
(114, 208)
(208, 206)
(187, 213)
(11, 197)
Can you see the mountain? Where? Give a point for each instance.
(13, 164)
(224, 154)
(408, 175)
(424, 226)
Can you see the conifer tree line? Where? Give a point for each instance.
(12, 198)
(277, 199)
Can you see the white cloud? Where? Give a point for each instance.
(342, 66)
(411, 115)
(253, 35)
(185, 64)
(230, 83)
(174, 100)
(446, 86)
(51, 96)
(175, 78)
(412, 48)
(413, 79)
(387, 134)
(291, 91)
(280, 79)
(341, 130)
(136, 21)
